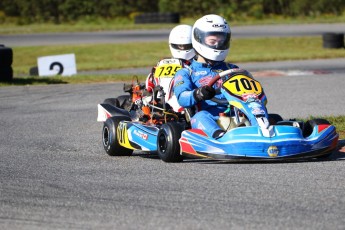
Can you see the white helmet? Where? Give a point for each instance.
(211, 37)
(180, 42)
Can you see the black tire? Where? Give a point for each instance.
(309, 125)
(273, 118)
(109, 137)
(308, 129)
(6, 56)
(333, 40)
(33, 71)
(125, 102)
(157, 18)
(112, 101)
(6, 74)
(168, 146)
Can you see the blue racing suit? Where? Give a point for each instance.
(188, 79)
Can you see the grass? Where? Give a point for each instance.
(87, 24)
(116, 56)
(339, 122)
(274, 49)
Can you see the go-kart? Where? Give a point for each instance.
(251, 132)
(132, 121)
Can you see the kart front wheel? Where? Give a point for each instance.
(274, 118)
(168, 146)
(308, 130)
(309, 125)
(110, 140)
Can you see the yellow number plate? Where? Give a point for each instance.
(167, 70)
(241, 84)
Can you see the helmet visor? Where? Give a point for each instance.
(213, 40)
(182, 46)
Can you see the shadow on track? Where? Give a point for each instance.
(337, 155)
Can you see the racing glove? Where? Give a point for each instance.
(204, 93)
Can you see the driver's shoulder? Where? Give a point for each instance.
(231, 65)
(186, 70)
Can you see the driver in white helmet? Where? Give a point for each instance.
(211, 41)
(180, 44)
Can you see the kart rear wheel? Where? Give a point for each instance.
(109, 137)
(123, 102)
(168, 146)
(112, 101)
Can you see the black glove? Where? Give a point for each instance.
(204, 93)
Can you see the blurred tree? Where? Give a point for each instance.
(57, 11)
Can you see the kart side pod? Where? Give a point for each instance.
(105, 111)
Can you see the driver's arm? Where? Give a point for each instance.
(184, 88)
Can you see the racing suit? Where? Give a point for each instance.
(188, 79)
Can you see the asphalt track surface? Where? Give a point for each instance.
(54, 173)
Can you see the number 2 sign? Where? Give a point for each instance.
(64, 65)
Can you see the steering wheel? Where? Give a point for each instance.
(214, 80)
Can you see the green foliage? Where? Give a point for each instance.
(303, 7)
(58, 11)
(192, 8)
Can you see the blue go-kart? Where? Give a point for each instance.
(251, 133)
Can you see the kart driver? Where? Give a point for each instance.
(211, 40)
(180, 44)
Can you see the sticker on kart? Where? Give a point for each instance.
(122, 135)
